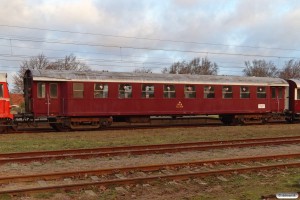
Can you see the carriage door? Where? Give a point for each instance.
(49, 94)
(277, 100)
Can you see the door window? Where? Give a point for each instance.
(1, 90)
(280, 93)
(41, 90)
(53, 90)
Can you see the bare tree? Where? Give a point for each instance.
(290, 70)
(260, 68)
(68, 63)
(176, 68)
(196, 66)
(42, 62)
(203, 66)
(38, 62)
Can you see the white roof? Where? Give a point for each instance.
(3, 77)
(130, 77)
(296, 81)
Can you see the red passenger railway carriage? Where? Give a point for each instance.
(75, 99)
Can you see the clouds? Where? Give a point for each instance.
(203, 24)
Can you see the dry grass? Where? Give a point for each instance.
(90, 139)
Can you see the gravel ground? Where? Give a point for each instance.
(139, 160)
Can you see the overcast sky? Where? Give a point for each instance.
(122, 35)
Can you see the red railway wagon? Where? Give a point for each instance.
(294, 100)
(76, 99)
(5, 116)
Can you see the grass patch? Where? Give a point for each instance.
(46, 195)
(5, 197)
(92, 139)
(255, 187)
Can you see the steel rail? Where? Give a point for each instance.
(133, 150)
(126, 181)
(253, 141)
(51, 176)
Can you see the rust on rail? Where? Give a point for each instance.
(182, 176)
(52, 176)
(139, 150)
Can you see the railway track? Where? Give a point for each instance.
(145, 174)
(139, 150)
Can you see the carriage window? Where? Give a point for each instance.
(125, 91)
(244, 92)
(189, 91)
(1, 90)
(209, 92)
(41, 90)
(78, 90)
(147, 91)
(227, 92)
(169, 91)
(53, 90)
(298, 93)
(261, 92)
(100, 90)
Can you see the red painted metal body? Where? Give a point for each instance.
(64, 104)
(4, 99)
(294, 97)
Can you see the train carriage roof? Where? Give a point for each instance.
(99, 76)
(296, 81)
(3, 77)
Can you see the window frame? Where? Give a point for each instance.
(169, 91)
(147, 91)
(227, 92)
(190, 93)
(101, 93)
(273, 93)
(245, 94)
(41, 90)
(280, 92)
(51, 91)
(298, 94)
(78, 93)
(260, 93)
(209, 92)
(126, 92)
(1, 90)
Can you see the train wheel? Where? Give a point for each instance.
(227, 119)
(53, 126)
(6, 126)
(60, 127)
(3, 129)
(290, 119)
